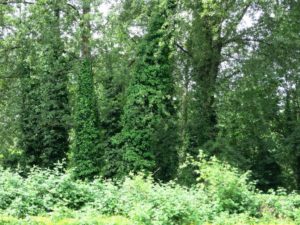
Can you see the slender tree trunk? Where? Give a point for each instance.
(205, 47)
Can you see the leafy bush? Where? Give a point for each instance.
(223, 195)
(225, 218)
(9, 184)
(280, 204)
(137, 198)
(151, 203)
(41, 192)
(147, 202)
(230, 188)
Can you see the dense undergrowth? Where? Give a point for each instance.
(221, 196)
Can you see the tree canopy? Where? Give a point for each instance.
(145, 84)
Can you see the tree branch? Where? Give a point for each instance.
(244, 11)
(244, 39)
(74, 8)
(183, 49)
(236, 23)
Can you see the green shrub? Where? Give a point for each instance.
(223, 195)
(245, 219)
(151, 203)
(41, 192)
(231, 189)
(146, 202)
(106, 197)
(280, 204)
(9, 184)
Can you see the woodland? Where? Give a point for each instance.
(149, 112)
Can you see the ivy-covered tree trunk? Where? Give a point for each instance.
(205, 49)
(148, 135)
(114, 85)
(86, 155)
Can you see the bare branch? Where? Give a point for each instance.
(74, 8)
(244, 11)
(242, 39)
(183, 49)
(236, 22)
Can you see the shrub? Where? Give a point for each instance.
(146, 202)
(41, 192)
(9, 184)
(223, 195)
(152, 203)
(231, 189)
(280, 204)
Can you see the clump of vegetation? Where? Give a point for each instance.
(230, 188)
(222, 195)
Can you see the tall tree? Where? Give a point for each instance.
(113, 71)
(86, 155)
(254, 106)
(44, 118)
(40, 63)
(286, 57)
(212, 29)
(149, 112)
(9, 88)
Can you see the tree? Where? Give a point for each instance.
(253, 107)
(213, 30)
(148, 119)
(112, 74)
(86, 157)
(40, 62)
(9, 90)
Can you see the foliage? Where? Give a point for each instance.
(140, 85)
(222, 196)
(86, 155)
(232, 190)
(139, 199)
(145, 140)
(45, 108)
(65, 221)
